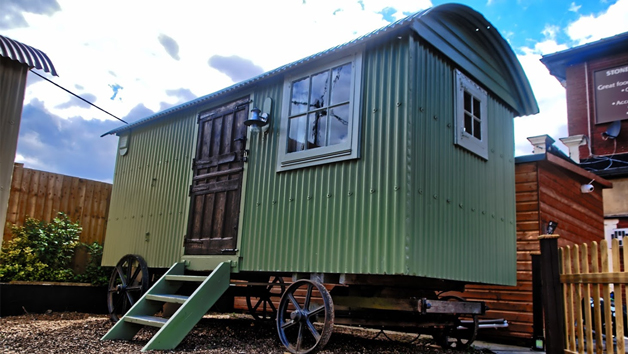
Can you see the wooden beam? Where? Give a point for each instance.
(578, 170)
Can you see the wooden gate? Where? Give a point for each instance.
(217, 180)
(593, 293)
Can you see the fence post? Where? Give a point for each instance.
(538, 335)
(552, 295)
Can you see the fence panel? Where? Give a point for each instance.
(593, 290)
(41, 195)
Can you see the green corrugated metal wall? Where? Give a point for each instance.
(150, 194)
(414, 203)
(464, 217)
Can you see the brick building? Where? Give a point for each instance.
(595, 76)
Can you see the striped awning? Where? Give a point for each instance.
(25, 54)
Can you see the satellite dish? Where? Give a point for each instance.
(613, 130)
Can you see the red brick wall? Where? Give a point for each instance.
(578, 113)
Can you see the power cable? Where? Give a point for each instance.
(77, 96)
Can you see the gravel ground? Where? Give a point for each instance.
(71, 332)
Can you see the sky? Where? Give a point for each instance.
(136, 58)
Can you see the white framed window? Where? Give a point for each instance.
(471, 116)
(320, 117)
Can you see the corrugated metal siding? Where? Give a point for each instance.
(12, 85)
(413, 203)
(150, 195)
(345, 217)
(464, 217)
(26, 54)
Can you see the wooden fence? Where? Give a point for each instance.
(590, 273)
(41, 195)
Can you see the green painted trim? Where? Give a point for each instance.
(205, 263)
(186, 317)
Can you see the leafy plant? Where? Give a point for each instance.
(41, 251)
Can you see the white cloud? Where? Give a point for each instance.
(594, 27)
(30, 161)
(121, 44)
(550, 31)
(550, 95)
(574, 8)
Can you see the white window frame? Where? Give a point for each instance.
(327, 154)
(463, 138)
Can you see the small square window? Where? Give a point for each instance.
(320, 117)
(471, 116)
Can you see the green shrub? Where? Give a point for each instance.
(94, 273)
(41, 251)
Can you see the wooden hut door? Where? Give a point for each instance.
(217, 182)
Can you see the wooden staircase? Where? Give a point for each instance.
(172, 330)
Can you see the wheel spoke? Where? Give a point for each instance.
(272, 306)
(300, 337)
(119, 302)
(259, 302)
(132, 278)
(288, 324)
(134, 288)
(313, 330)
(308, 297)
(294, 301)
(316, 311)
(125, 304)
(130, 299)
(121, 275)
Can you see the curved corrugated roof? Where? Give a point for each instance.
(526, 102)
(26, 54)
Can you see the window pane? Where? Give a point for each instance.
(296, 134)
(317, 129)
(339, 124)
(476, 108)
(298, 98)
(468, 123)
(340, 84)
(318, 94)
(467, 102)
(477, 129)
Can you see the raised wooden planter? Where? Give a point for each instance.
(16, 298)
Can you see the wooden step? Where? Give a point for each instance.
(152, 321)
(173, 299)
(193, 278)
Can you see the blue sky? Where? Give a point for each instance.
(134, 58)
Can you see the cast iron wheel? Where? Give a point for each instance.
(460, 336)
(303, 302)
(259, 300)
(129, 281)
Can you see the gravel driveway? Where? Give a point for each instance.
(71, 332)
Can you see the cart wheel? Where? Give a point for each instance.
(129, 281)
(259, 300)
(304, 302)
(458, 337)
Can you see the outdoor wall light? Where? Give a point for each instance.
(257, 119)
